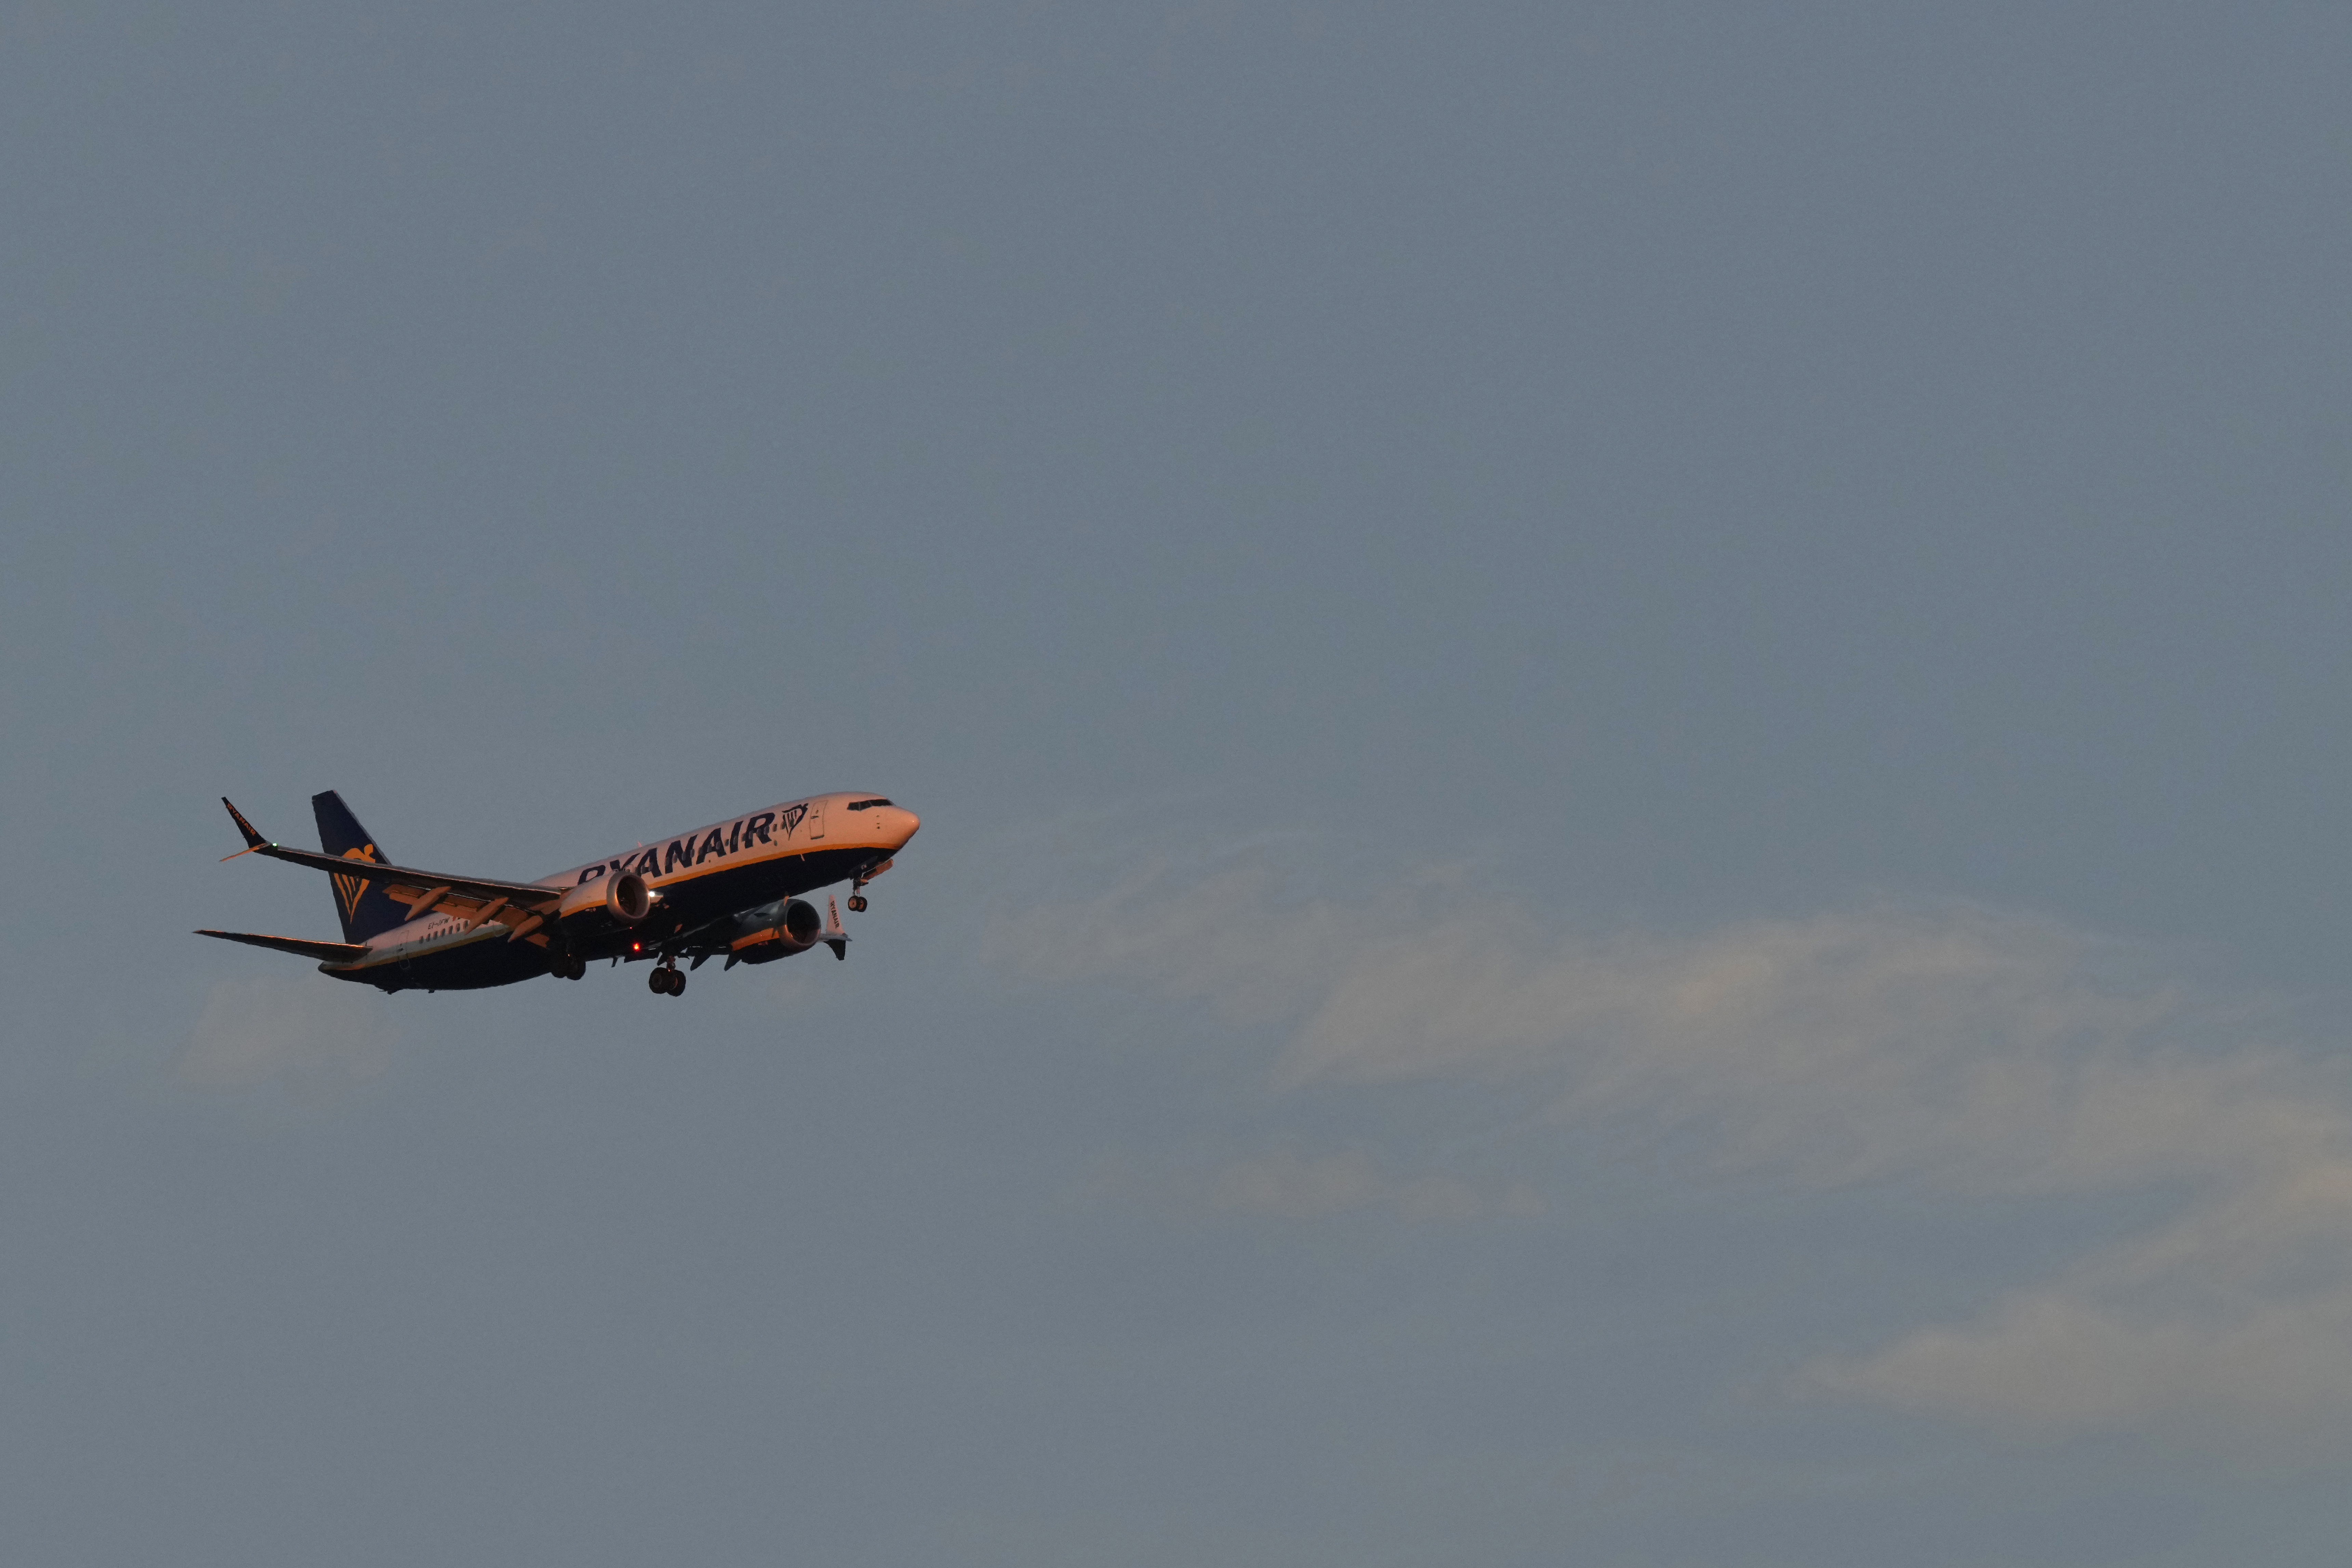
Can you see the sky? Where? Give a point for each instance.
(1629, 721)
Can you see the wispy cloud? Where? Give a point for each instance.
(306, 1037)
(1293, 1184)
(1957, 1049)
(1288, 1185)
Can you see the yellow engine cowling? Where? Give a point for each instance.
(606, 901)
(778, 931)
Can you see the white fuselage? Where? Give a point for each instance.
(696, 878)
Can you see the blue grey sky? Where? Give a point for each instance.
(1630, 723)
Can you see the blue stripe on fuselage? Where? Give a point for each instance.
(689, 900)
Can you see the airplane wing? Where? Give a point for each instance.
(409, 880)
(324, 952)
(419, 890)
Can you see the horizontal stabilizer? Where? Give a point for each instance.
(324, 952)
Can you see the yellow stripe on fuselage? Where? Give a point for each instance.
(396, 952)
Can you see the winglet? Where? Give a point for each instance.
(253, 840)
(834, 937)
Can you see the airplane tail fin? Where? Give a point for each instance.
(365, 909)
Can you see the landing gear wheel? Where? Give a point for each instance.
(857, 903)
(677, 982)
(658, 982)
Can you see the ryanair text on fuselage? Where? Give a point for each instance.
(730, 889)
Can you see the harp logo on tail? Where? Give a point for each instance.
(349, 890)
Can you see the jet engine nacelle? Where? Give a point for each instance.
(775, 931)
(623, 900)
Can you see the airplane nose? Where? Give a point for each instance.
(908, 824)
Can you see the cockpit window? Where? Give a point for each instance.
(862, 804)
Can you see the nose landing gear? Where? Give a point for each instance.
(857, 885)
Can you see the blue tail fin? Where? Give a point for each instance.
(365, 909)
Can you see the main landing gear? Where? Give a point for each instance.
(667, 981)
(564, 966)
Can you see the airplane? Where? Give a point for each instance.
(728, 888)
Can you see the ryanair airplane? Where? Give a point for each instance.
(728, 889)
